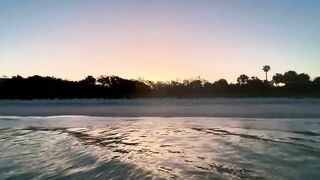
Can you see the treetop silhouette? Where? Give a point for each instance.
(289, 84)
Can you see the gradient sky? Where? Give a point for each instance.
(159, 39)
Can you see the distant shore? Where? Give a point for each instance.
(290, 84)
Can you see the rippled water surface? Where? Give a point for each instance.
(64, 147)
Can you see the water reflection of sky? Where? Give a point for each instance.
(196, 148)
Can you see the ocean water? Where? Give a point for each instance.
(277, 139)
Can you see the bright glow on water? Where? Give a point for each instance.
(159, 148)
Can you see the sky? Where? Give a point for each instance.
(159, 39)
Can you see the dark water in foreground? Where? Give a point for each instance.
(84, 147)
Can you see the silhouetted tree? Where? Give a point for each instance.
(255, 85)
(89, 80)
(303, 78)
(104, 80)
(254, 79)
(290, 77)
(242, 79)
(18, 87)
(277, 79)
(219, 87)
(316, 81)
(266, 68)
(195, 84)
(221, 83)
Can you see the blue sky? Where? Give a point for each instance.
(159, 40)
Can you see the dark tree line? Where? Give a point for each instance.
(289, 84)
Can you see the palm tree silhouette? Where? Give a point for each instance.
(266, 68)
